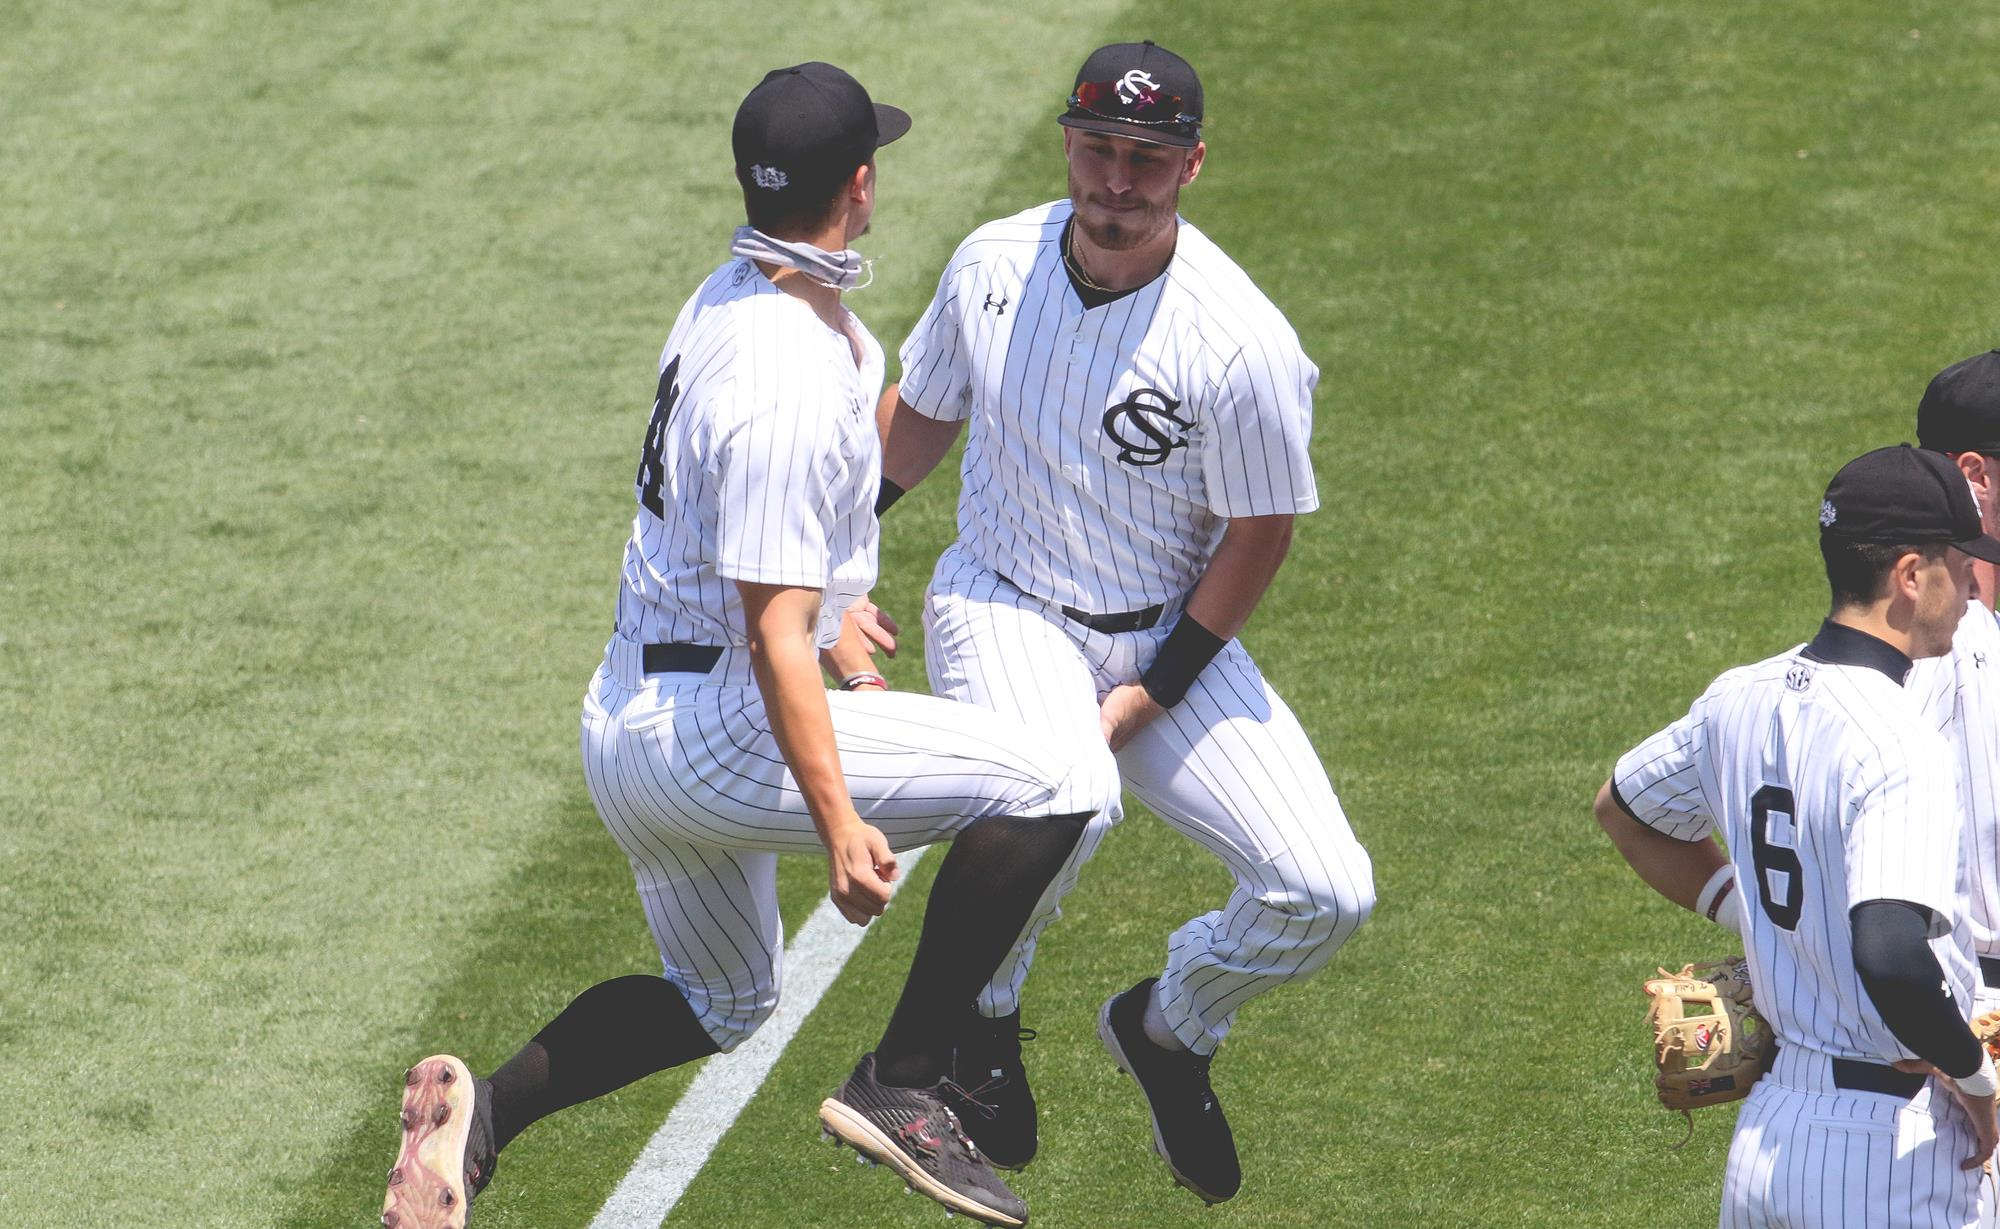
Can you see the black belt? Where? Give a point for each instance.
(680, 658)
(1857, 1076)
(1989, 970)
(1113, 624)
(1110, 624)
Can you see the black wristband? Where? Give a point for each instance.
(1183, 655)
(888, 495)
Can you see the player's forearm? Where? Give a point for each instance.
(912, 444)
(788, 677)
(1676, 869)
(1906, 983)
(785, 661)
(1245, 561)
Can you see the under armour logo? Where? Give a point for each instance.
(769, 177)
(1978, 660)
(1137, 86)
(1826, 513)
(998, 309)
(1144, 427)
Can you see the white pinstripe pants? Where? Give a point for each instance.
(1986, 999)
(1229, 766)
(1807, 1155)
(686, 775)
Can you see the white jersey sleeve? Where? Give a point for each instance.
(772, 490)
(937, 380)
(1659, 781)
(1904, 836)
(1256, 454)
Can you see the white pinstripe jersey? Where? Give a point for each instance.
(1831, 788)
(1961, 692)
(1109, 446)
(760, 463)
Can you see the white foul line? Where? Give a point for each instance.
(671, 1159)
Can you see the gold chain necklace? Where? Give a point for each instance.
(1074, 265)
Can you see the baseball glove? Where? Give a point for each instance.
(1987, 1029)
(1709, 1043)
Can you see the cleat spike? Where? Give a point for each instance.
(396, 1176)
(445, 1076)
(443, 1112)
(409, 1075)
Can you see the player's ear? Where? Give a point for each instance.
(1979, 470)
(1195, 158)
(861, 184)
(1903, 574)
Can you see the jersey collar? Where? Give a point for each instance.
(1840, 645)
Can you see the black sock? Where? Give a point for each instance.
(994, 873)
(610, 1035)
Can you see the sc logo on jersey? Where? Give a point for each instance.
(1145, 427)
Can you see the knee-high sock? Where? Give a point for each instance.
(614, 1033)
(985, 890)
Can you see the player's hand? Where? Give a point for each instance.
(1126, 710)
(1979, 1109)
(877, 629)
(860, 867)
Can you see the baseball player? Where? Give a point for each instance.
(1960, 417)
(710, 744)
(1837, 801)
(1139, 419)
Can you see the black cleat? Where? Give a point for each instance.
(1189, 1130)
(989, 1092)
(448, 1154)
(912, 1132)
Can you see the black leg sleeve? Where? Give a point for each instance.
(985, 891)
(610, 1035)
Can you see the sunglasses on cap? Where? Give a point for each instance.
(1111, 100)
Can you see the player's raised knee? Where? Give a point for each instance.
(1322, 907)
(1087, 783)
(731, 1019)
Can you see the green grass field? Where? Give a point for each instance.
(326, 338)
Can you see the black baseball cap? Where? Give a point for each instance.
(1904, 496)
(1137, 90)
(1960, 411)
(807, 127)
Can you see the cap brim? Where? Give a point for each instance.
(1131, 132)
(890, 123)
(1985, 546)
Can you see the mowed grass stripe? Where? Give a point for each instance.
(306, 581)
(327, 331)
(1592, 334)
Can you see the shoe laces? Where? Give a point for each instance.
(970, 1096)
